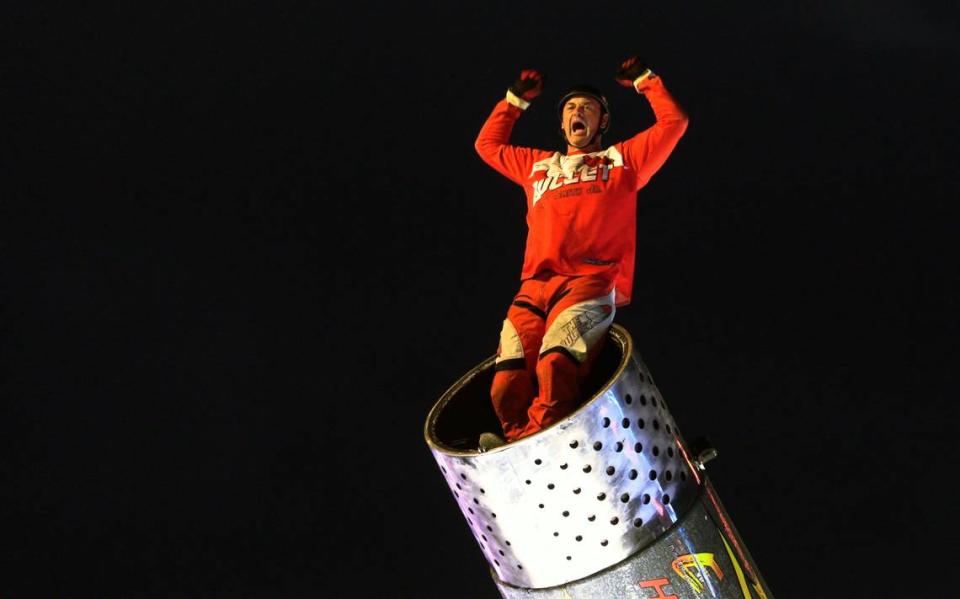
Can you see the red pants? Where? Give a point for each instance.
(554, 330)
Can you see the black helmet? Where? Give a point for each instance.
(590, 92)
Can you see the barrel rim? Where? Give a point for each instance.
(619, 335)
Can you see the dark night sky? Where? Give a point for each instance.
(246, 248)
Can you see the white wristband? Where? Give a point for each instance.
(648, 74)
(517, 101)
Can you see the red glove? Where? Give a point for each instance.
(528, 85)
(630, 70)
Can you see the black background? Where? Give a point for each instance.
(246, 248)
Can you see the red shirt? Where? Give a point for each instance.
(581, 208)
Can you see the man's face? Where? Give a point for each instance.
(581, 119)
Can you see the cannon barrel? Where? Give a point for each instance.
(605, 503)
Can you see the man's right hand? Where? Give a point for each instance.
(528, 85)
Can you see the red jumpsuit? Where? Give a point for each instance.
(578, 263)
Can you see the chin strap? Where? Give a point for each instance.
(592, 139)
(567, 141)
(588, 144)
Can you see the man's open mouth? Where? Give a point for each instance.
(577, 126)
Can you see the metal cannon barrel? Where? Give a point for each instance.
(576, 507)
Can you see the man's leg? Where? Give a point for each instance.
(514, 378)
(576, 328)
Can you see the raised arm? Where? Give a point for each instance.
(492, 143)
(647, 151)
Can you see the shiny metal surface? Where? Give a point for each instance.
(700, 557)
(578, 497)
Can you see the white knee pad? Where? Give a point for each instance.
(580, 327)
(510, 346)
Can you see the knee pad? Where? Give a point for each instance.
(578, 328)
(510, 355)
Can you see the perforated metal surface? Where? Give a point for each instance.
(581, 495)
(701, 557)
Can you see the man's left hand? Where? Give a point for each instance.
(630, 70)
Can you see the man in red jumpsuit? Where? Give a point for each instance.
(578, 263)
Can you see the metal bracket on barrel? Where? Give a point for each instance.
(703, 451)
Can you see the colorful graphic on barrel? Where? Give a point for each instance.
(657, 585)
(741, 578)
(694, 569)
